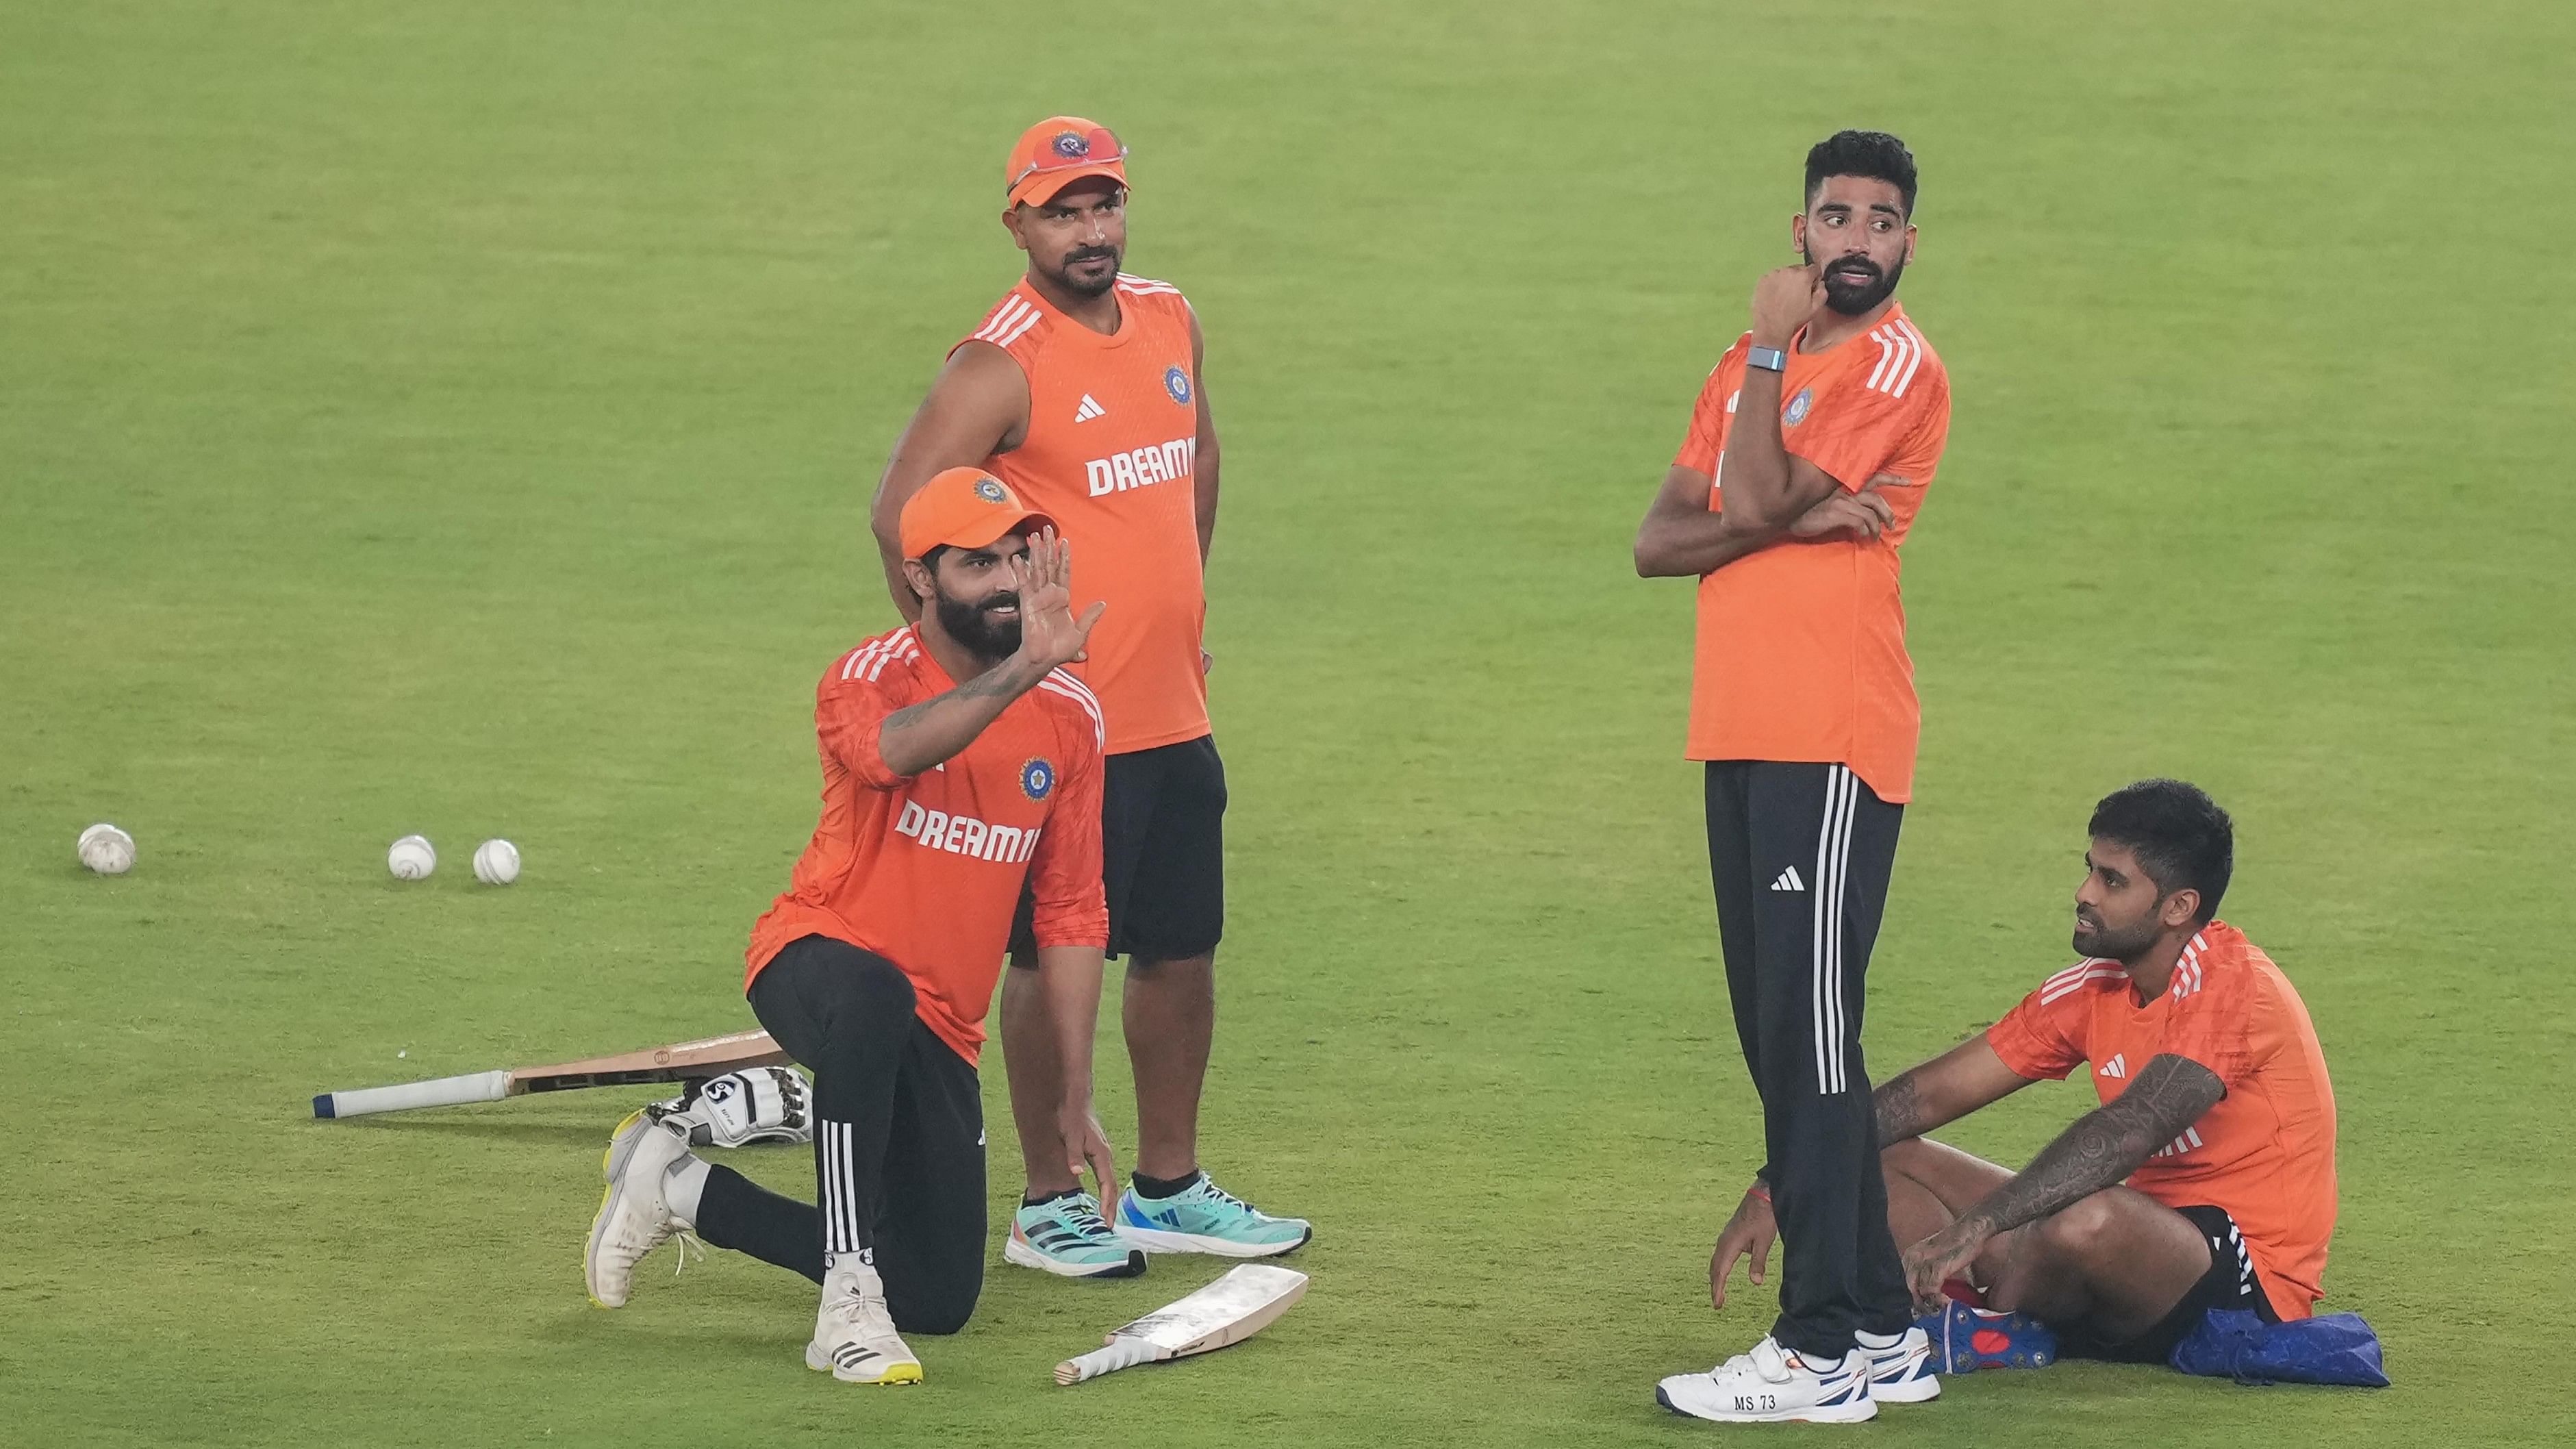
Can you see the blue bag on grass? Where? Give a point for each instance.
(2232, 1343)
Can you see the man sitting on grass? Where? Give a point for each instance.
(2206, 1179)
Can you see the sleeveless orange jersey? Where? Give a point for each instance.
(2266, 1152)
(926, 869)
(1112, 439)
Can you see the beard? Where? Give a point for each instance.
(2093, 938)
(1852, 296)
(1063, 275)
(971, 623)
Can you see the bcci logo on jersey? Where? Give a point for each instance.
(1037, 779)
(1177, 383)
(1796, 412)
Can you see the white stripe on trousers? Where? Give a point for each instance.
(1833, 857)
(839, 1189)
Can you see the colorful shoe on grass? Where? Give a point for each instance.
(1205, 1218)
(1966, 1339)
(1065, 1236)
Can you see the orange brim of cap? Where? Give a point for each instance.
(987, 525)
(1041, 186)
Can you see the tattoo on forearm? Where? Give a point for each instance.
(998, 680)
(1899, 1108)
(2106, 1144)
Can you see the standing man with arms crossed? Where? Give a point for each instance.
(961, 766)
(1807, 461)
(1081, 390)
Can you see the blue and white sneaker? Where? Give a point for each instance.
(1065, 1236)
(1205, 1218)
(1965, 1339)
(1774, 1385)
(1901, 1371)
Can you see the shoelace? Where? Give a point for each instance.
(1209, 1186)
(689, 1244)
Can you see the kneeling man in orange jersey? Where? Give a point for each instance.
(960, 764)
(2206, 1179)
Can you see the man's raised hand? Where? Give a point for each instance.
(1049, 633)
(1783, 301)
(1749, 1233)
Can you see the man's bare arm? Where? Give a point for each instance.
(1681, 538)
(2104, 1145)
(978, 407)
(1943, 1090)
(1203, 462)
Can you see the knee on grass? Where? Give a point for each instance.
(2081, 1232)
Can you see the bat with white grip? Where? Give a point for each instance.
(1121, 1353)
(679, 1062)
(1227, 1311)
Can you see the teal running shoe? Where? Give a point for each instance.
(1205, 1218)
(1065, 1236)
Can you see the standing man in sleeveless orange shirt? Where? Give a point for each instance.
(1081, 390)
(1808, 458)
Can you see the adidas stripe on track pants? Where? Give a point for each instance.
(1800, 855)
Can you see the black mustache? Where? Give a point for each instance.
(1856, 264)
(1004, 600)
(1091, 254)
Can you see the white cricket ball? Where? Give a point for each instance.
(496, 862)
(106, 849)
(411, 858)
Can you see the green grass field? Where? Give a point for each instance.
(459, 417)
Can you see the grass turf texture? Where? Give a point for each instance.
(457, 418)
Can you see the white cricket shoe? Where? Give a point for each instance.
(634, 1215)
(1772, 1385)
(854, 1335)
(1903, 1372)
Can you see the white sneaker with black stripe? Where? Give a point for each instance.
(1774, 1385)
(854, 1337)
(1901, 1371)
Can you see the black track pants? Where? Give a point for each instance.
(1800, 855)
(898, 1140)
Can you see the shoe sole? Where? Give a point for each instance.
(902, 1373)
(1156, 1240)
(1015, 1251)
(1860, 1412)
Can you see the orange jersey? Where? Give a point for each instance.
(925, 870)
(2266, 1152)
(1801, 652)
(1111, 456)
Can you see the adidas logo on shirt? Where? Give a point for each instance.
(1088, 410)
(1789, 881)
(2117, 1066)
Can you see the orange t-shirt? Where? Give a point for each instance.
(925, 870)
(1801, 652)
(2266, 1151)
(1111, 456)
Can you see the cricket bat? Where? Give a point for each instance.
(1227, 1311)
(678, 1062)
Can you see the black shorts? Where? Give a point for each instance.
(2231, 1282)
(1162, 854)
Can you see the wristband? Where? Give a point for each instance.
(1769, 359)
(1764, 1193)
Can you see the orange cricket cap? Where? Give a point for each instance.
(1057, 152)
(964, 508)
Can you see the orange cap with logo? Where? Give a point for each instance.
(964, 508)
(1057, 152)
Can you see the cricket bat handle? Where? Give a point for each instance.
(1121, 1353)
(441, 1092)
